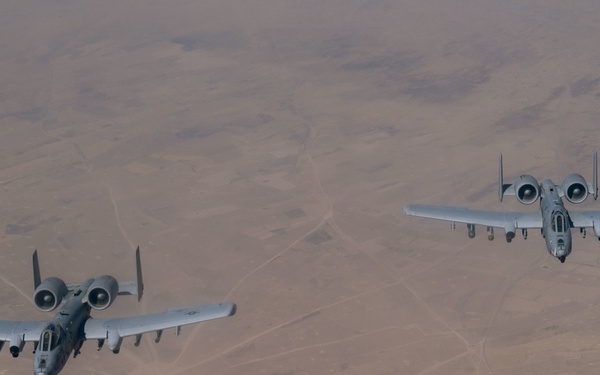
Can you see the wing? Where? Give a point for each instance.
(586, 219)
(117, 328)
(18, 332)
(507, 220)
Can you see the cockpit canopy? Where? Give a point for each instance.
(559, 224)
(50, 338)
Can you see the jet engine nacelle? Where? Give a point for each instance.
(575, 188)
(527, 189)
(49, 294)
(102, 292)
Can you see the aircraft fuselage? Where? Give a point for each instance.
(555, 219)
(63, 334)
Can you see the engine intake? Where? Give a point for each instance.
(527, 189)
(575, 188)
(49, 294)
(102, 293)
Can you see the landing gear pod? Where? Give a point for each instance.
(16, 345)
(510, 236)
(114, 341)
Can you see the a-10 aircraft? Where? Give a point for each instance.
(553, 219)
(72, 325)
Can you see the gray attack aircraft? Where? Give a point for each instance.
(552, 218)
(54, 341)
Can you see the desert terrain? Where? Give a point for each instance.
(261, 152)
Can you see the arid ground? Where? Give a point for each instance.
(261, 152)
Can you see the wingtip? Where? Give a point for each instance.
(233, 309)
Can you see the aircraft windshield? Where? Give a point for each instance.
(558, 222)
(50, 338)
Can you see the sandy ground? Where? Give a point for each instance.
(261, 152)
